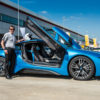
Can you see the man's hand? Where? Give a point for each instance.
(6, 51)
(19, 40)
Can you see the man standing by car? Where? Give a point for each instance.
(8, 44)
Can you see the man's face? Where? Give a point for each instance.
(11, 30)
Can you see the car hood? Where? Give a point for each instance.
(83, 52)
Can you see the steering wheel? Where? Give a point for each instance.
(47, 52)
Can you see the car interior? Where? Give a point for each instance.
(44, 53)
(40, 53)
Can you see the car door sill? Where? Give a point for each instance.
(44, 64)
(47, 64)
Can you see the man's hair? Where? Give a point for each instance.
(12, 26)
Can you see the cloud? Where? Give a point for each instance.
(70, 18)
(44, 12)
(87, 31)
(81, 14)
(64, 18)
(78, 26)
(74, 17)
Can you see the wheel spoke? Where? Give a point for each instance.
(87, 67)
(81, 62)
(75, 66)
(1, 67)
(76, 73)
(84, 74)
(1, 64)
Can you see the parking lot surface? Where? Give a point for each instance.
(48, 87)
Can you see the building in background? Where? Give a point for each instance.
(9, 16)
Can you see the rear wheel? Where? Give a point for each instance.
(81, 68)
(2, 69)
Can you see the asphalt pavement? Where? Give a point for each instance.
(48, 87)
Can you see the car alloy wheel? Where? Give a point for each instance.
(2, 61)
(81, 68)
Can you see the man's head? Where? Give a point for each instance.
(11, 29)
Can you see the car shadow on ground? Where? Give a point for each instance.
(41, 76)
(97, 78)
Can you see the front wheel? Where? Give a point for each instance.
(2, 69)
(81, 68)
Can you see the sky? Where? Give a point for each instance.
(82, 16)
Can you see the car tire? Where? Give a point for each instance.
(81, 68)
(2, 64)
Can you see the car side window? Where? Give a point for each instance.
(51, 32)
(62, 41)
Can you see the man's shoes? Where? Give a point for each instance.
(8, 77)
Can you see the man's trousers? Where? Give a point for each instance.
(10, 60)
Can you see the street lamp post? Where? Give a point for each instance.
(18, 19)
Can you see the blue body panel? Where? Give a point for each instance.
(70, 52)
(63, 69)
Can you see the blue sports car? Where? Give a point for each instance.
(55, 52)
